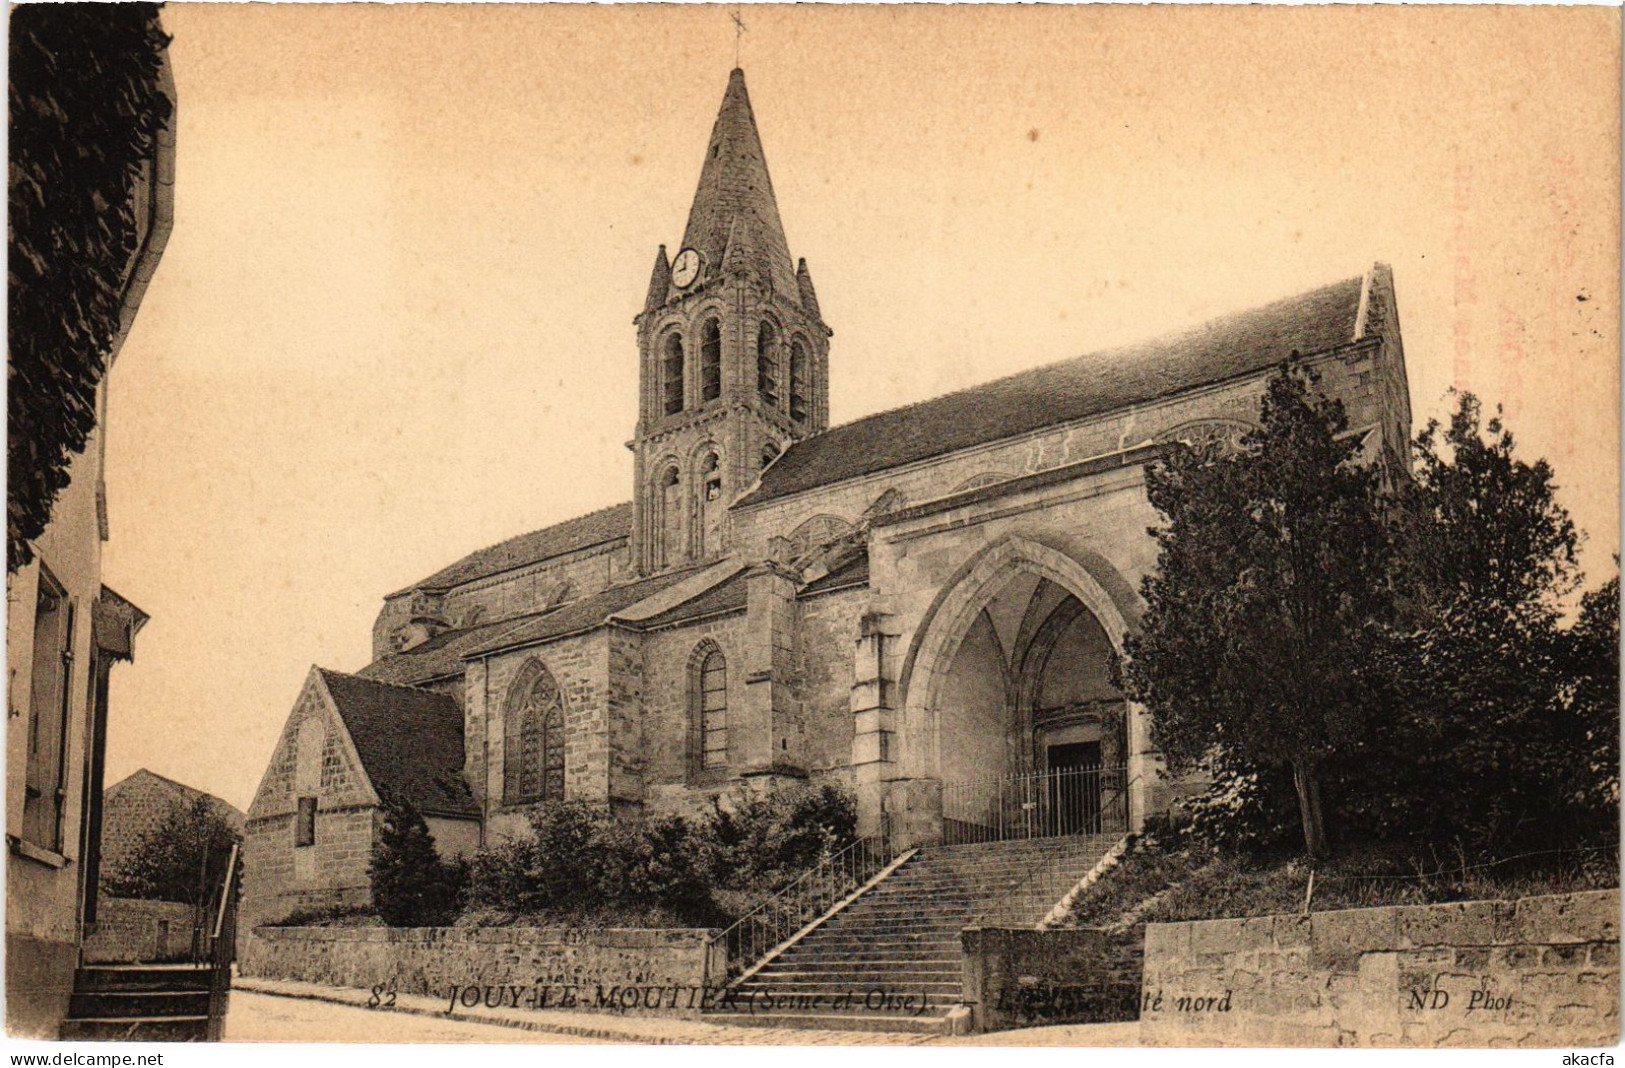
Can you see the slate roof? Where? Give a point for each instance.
(584, 614)
(410, 742)
(725, 596)
(594, 528)
(436, 658)
(1102, 382)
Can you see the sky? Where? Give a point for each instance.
(393, 322)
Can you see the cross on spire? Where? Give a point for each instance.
(739, 32)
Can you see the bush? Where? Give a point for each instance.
(411, 885)
(767, 841)
(181, 858)
(1243, 810)
(577, 865)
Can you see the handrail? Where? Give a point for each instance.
(225, 890)
(1031, 894)
(781, 914)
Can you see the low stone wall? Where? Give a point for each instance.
(1027, 978)
(634, 971)
(130, 929)
(1539, 971)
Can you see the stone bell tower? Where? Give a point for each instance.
(733, 356)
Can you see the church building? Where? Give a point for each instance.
(922, 605)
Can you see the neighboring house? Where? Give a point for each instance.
(921, 605)
(64, 631)
(137, 805)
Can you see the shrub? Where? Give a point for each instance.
(577, 865)
(553, 865)
(411, 885)
(769, 840)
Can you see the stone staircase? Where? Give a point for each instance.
(139, 1003)
(892, 959)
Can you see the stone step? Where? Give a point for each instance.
(835, 997)
(140, 977)
(930, 1023)
(942, 956)
(857, 985)
(901, 970)
(99, 1004)
(138, 1029)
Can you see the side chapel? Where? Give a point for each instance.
(919, 605)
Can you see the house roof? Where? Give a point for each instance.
(582, 532)
(182, 792)
(410, 742)
(1102, 382)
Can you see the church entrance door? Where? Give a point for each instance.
(1074, 787)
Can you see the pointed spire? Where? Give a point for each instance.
(809, 299)
(734, 185)
(736, 258)
(659, 282)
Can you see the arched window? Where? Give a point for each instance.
(710, 361)
(671, 363)
(798, 380)
(767, 364)
(668, 507)
(770, 452)
(710, 702)
(708, 530)
(533, 751)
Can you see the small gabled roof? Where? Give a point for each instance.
(409, 741)
(726, 596)
(1243, 343)
(180, 791)
(437, 658)
(578, 616)
(583, 532)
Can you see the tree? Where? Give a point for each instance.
(1483, 528)
(86, 107)
(1269, 588)
(1591, 656)
(411, 885)
(1480, 750)
(181, 858)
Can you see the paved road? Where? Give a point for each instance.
(266, 1018)
(285, 1011)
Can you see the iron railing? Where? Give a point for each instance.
(772, 922)
(1032, 894)
(222, 948)
(1041, 805)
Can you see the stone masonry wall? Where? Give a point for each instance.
(674, 784)
(129, 929)
(280, 878)
(1027, 978)
(1539, 971)
(580, 667)
(828, 635)
(633, 971)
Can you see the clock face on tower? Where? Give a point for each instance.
(685, 268)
